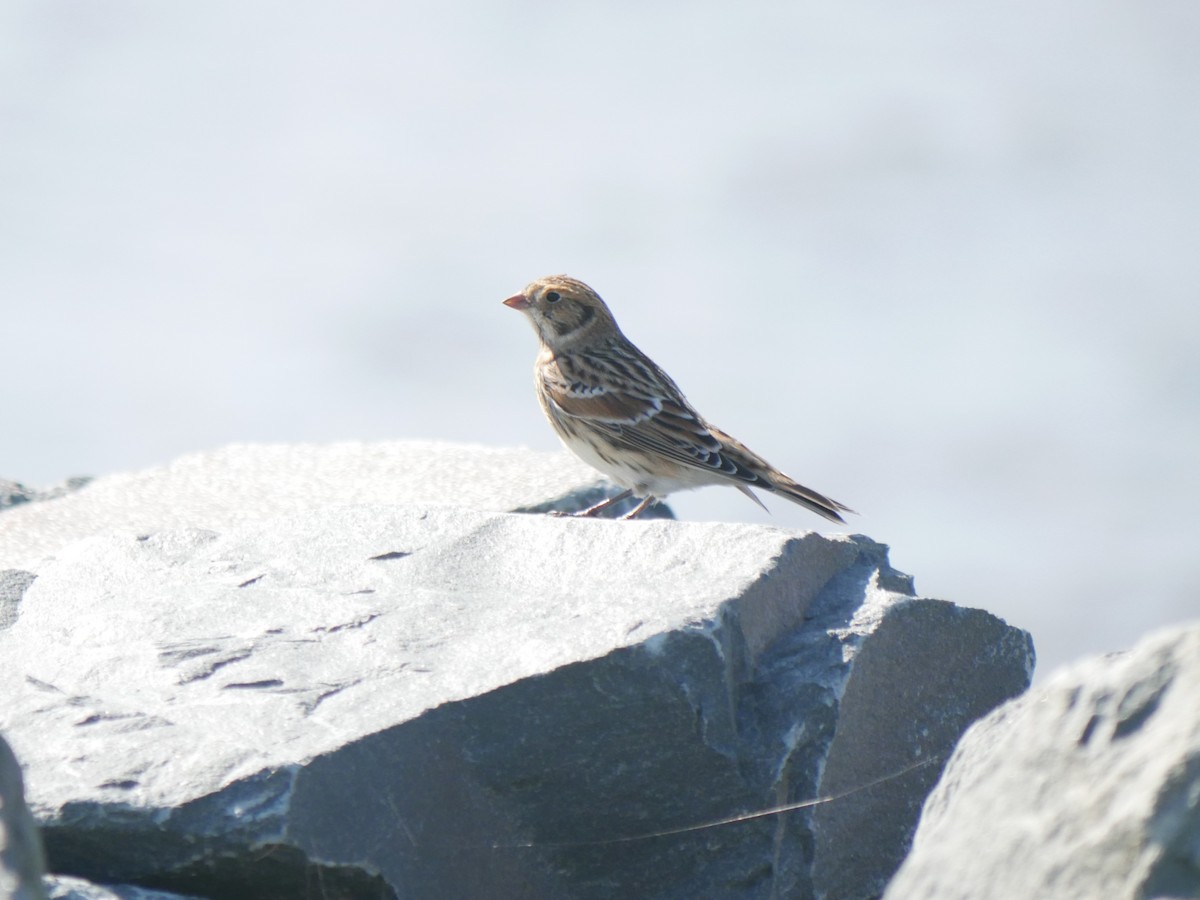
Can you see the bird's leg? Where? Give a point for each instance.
(604, 504)
(637, 510)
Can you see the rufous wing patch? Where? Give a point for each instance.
(601, 405)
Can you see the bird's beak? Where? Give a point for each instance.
(517, 301)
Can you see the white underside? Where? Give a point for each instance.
(642, 482)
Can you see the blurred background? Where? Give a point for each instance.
(939, 261)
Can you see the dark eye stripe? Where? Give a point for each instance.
(562, 329)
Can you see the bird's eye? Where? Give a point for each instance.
(553, 296)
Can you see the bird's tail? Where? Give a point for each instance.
(806, 497)
(745, 466)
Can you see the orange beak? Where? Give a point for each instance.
(517, 301)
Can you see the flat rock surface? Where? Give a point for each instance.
(244, 483)
(1088, 787)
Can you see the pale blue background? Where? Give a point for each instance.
(939, 260)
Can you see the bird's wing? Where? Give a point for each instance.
(638, 407)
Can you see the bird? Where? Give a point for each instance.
(615, 409)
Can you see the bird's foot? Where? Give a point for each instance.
(639, 509)
(593, 511)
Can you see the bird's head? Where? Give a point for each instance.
(563, 311)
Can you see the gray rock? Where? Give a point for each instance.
(928, 669)
(13, 493)
(1086, 788)
(13, 583)
(21, 864)
(246, 483)
(421, 701)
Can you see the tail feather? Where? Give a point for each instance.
(740, 464)
(808, 498)
(753, 496)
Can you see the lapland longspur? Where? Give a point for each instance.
(621, 414)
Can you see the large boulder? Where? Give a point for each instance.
(424, 700)
(1087, 787)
